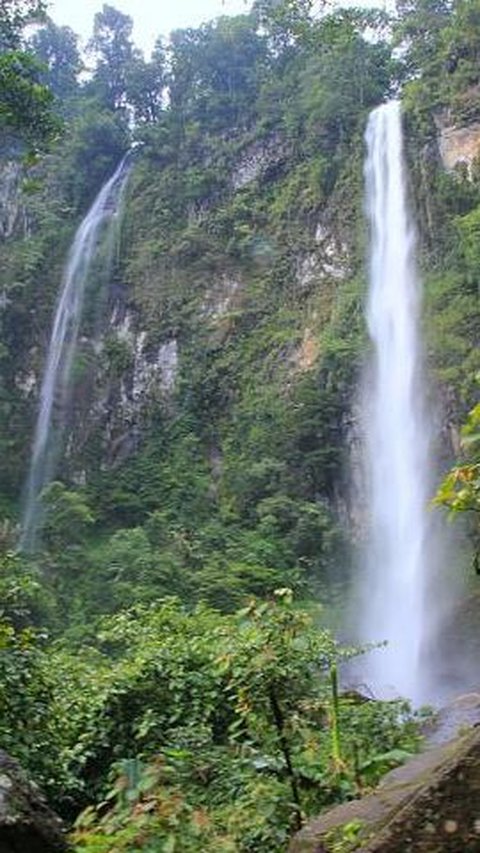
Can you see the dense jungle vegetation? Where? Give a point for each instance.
(167, 676)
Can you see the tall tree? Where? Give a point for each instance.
(112, 46)
(145, 83)
(215, 70)
(420, 24)
(57, 49)
(14, 15)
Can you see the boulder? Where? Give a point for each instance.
(429, 805)
(27, 824)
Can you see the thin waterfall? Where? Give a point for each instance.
(94, 232)
(398, 433)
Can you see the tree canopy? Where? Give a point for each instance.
(25, 103)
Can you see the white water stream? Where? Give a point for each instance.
(398, 433)
(95, 230)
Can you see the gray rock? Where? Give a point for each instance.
(429, 805)
(10, 197)
(27, 824)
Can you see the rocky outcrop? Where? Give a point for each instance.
(10, 197)
(257, 159)
(223, 296)
(134, 373)
(305, 355)
(459, 145)
(329, 260)
(27, 825)
(430, 805)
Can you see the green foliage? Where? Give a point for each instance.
(346, 76)
(441, 40)
(460, 490)
(469, 233)
(190, 727)
(96, 142)
(210, 725)
(421, 24)
(452, 322)
(345, 838)
(118, 355)
(67, 516)
(28, 729)
(112, 46)
(25, 104)
(14, 16)
(23, 598)
(56, 48)
(215, 71)
(144, 85)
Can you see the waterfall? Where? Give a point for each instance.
(94, 233)
(398, 432)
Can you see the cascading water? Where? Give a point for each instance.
(95, 231)
(398, 434)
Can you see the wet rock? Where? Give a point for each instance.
(455, 717)
(27, 824)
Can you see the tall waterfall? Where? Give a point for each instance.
(397, 450)
(94, 233)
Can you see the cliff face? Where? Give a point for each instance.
(214, 379)
(260, 313)
(217, 370)
(231, 337)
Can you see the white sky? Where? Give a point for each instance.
(158, 17)
(152, 17)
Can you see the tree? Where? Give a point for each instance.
(420, 24)
(25, 103)
(285, 21)
(113, 48)
(144, 85)
(68, 516)
(344, 75)
(459, 491)
(96, 141)
(14, 16)
(215, 71)
(22, 597)
(227, 724)
(57, 49)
